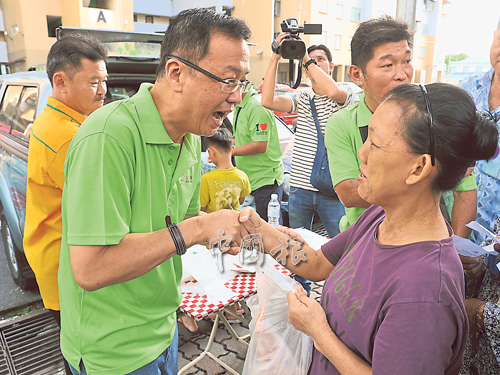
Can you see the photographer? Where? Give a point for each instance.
(305, 200)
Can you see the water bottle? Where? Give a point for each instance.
(273, 211)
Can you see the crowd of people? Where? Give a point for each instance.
(115, 197)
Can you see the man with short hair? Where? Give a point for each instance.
(133, 169)
(304, 199)
(76, 68)
(381, 52)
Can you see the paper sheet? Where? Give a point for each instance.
(474, 225)
(469, 248)
(314, 240)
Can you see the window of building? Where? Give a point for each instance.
(282, 76)
(339, 11)
(53, 22)
(356, 14)
(424, 30)
(98, 4)
(323, 6)
(429, 5)
(149, 19)
(277, 8)
(459, 68)
(135, 17)
(337, 41)
(421, 52)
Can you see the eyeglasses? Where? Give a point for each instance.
(431, 125)
(229, 85)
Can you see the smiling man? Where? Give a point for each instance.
(134, 165)
(381, 51)
(76, 68)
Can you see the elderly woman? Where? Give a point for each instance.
(393, 298)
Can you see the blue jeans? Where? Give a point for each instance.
(165, 364)
(303, 204)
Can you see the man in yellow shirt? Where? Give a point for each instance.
(76, 67)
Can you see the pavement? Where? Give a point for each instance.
(226, 348)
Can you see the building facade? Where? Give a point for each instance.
(29, 27)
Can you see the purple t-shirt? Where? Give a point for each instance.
(400, 308)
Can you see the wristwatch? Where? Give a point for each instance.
(275, 47)
(311, 61)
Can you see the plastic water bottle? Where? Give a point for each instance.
(273, 211)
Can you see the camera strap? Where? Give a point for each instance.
(291, 67)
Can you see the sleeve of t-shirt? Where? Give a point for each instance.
(260, 121)
(342, 157)
(409, 342)
(350, 98)
(204, 193)
(468, 183)
(246, 187)
(99, 185)
(55, 169)
(295, 101)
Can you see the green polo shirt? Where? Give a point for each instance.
(254, 123)
(124, 175)
(343, 141)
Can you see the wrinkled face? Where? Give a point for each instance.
(86, 90)
(495, 52)
(386, 158)
(320, 57)
(389, 67)
(228, 59)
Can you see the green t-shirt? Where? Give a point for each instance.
(254, 123)
(123, 176)
(343, 140)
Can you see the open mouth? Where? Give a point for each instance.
(220, 115)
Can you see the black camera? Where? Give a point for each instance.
(291, 47)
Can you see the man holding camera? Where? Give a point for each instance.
(305, 200)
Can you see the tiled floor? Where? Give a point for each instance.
(229, 350)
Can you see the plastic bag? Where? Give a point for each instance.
(275, 346)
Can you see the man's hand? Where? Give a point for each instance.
(470, 308)
(473, 266)
(223, 225)
(305, 314)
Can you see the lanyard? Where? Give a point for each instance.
(64, 113)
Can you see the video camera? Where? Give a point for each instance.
(291, 47)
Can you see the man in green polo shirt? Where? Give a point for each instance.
(381, 51)
(258, 150)
(131, 164)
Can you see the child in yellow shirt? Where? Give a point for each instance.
(225, 187)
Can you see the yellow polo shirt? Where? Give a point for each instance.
(51, 135)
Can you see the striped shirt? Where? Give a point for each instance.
(306, 137)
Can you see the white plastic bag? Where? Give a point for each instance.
(275, 346)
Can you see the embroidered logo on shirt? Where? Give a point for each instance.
(261, 129)
(185, 179)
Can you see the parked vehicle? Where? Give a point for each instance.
(23, 97)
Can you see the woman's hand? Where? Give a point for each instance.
(473, 266)
(305, 314)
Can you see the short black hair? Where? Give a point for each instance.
(322, 47)
(67, 53)
(222, 140)
(188, 35)
(461, 134)
(375, 32)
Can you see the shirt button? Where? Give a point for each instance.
(170, 162)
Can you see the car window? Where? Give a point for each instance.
(9, 106)
(25, 114)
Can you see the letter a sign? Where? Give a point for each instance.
(101, 17)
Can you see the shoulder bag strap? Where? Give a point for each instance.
(321, 139)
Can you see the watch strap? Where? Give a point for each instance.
(311, 61)
(275, 47)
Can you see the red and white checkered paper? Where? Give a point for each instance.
(243, 285)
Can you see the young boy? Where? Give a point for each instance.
(225, 187)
